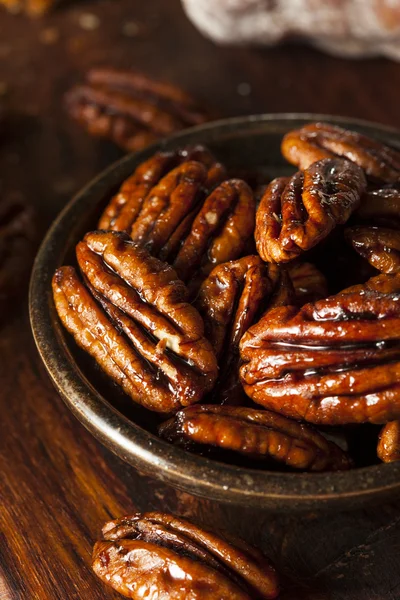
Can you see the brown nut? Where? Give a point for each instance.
(258, 434)
(332, 362)
(317, 141)
(232, 297)
(124, 208)
(17, 236)
(389, 442)
(133, 318)
(297, 212)
(130, 109)
(160, 556)
(308, 282)
(380, 207)
(379, 245)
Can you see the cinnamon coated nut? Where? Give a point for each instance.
(231, 298)
(258, 434)
(131, 314)
(131, 109)
(160, 556)
(317, 141)
(17, 237)
(389, 442)
(297, 212)
(379, 245)
(332, 362)
(308, 282)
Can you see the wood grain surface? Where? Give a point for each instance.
(58, 485)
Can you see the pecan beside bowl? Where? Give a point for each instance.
(125, 427)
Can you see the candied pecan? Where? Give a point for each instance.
(230, 300)
(308, 282)
(130, 109)
(389, 442)
(335, 361)
(159, 555)
(124, 208)
(31, 7)
(297, 212)
(379, 245)
(17, 235)
(259, 434)
(133, 318)
(380, 207)
(316, 141)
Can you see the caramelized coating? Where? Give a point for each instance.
(17, 236)
(231, 298)
(379, 245)
(124, 208)
(34, 8)
(297, 212)
(259, 434)
(133, 318)
(308, 282)
(159, 556)
(380, 207)
(389, 442)
(332, 362)
(130, 109)
(317, 141)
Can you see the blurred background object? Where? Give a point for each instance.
(342, 27)
(33, 8)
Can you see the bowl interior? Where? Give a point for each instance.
(249, 143)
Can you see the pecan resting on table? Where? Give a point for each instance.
(389, 442)
(231, 298)
(180, 216)
(258, 434)
(297, 212)
(130, 109)
(131, 314)
(332, 362)
(308, 282)
(317, 141)
(159, 556)
(17, 236)
(31, 7)
(379, 245)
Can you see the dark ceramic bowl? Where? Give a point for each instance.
(128, 430)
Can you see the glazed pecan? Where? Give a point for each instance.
(335, 361)
(389, 442)
(133, 318)
(379, 245)
(124, 208)
(17, 236)
(317, 141)
(31, 7)
(157, 555)
(130, 109)
(308, 282)
(297, 212)
(380, 207)
(231, 298)
(258, 434)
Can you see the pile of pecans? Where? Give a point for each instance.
(239, 323)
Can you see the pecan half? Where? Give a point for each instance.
(17, 235)
(258, 434)
(335, 361)
(308, 282)
(231, 298)
(379, 245)
(297, 212)
(131, 109)
(133, 318)
(380, 207)
(159, 555)
(389, 442)
(317, 141)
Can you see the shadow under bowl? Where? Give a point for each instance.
(130, 431)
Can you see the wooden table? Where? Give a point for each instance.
(58, 485)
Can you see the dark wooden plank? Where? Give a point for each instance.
(57, 484)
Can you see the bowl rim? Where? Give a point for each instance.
(144, 450)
